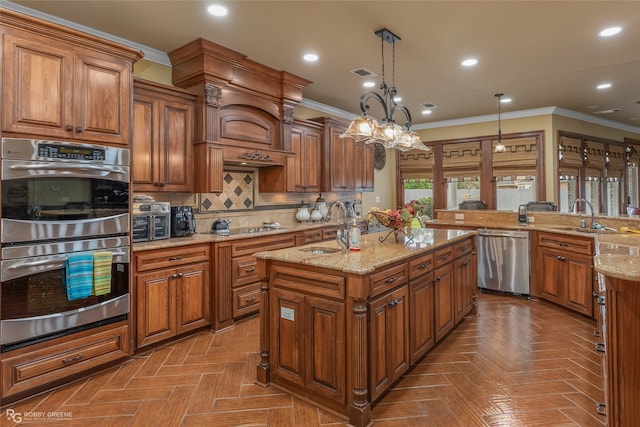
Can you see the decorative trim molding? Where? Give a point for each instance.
(256, 155)
(160, 57)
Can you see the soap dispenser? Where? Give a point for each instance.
(354, 237)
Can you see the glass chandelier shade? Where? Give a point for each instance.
(386, 132)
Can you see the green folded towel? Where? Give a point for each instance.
(102, 272)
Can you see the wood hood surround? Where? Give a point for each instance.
(243, 113)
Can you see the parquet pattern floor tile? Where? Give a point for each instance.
(520, 363)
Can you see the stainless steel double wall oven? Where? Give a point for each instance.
(60, 200)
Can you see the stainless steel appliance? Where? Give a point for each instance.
(151, 221)
(60, 190)
(183, 222)
(61, 202)
(503, 261)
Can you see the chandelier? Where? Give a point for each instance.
(386, 132)
(499, 146)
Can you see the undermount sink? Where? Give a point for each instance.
(591, 230)
(321, 251)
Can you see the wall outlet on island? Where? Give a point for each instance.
(459, 216)
(531, 219)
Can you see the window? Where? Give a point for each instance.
(612, 196)
(461, 189)
(513, 191)
(568, 192)
(420, 189)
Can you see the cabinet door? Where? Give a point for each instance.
(305, 143)
(155, 306)
(175, 140)
(578, 280)
(551, 287)
(444, 305)
(192, 291)
(389, 338)
(101, 98)
(421, 316)
(144, 173)
(37, 86)
(363, 164)
(463, 276)
(287, 343)
(342, 151)
(326, 351)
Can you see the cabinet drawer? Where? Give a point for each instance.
(388, 278)
(420, 265)
(246, 300)
(171, 257)
(462, 248)
(442, 256)
(581, 245)
(258, 244)
(312, 236)
(244, 270)
(329, 233)
(27, 370)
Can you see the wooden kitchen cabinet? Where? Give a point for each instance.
(421, 309)
(162, 138)
(364, 164)
(464, 279)
(338, 156)
(172, 293)
(62, 84)
(236, 284)
(389, 338)
(306, 140)
(566, 271)
(29, 369)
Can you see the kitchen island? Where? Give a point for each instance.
(340, 329)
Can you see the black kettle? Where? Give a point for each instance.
(220, 225)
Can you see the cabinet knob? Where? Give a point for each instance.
(394, 302)
(68, 127)
(79, 130)
(175, 258)
(250, 300)
(180, 275)
(560, 258)
(174, 276)
(437, 279)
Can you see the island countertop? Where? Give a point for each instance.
(373, 253)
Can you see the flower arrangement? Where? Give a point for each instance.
(397, 219)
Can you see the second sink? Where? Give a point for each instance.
(321, 251)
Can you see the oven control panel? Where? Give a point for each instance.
(70, 152)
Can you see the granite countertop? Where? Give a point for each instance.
(207, 237)
(618, 256)
(373, 253)
(555, 228)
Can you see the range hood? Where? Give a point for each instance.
(254, 157)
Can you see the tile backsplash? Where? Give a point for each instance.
(237, 194)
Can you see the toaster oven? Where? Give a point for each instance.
(151, 221)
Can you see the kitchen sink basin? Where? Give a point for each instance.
(591, 230)
(321, 251)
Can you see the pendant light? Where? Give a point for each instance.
(499, 146)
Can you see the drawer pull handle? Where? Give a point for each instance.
(250, 270)
(437, 279)
(422, 266)
(72, 359)
(175, 258)
(601, 408)
(391, 279)
(174, 276)
(444, 256)
(600, 347)
(250, 300)
(562, 244)
(395, 302)
(180, 275)
(560, 258)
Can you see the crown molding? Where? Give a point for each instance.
(150, 53)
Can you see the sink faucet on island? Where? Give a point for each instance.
(342, 235)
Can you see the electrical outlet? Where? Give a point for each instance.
(531, 219)
(459, 216)
(377, 199)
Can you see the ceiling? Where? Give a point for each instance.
(539, 53)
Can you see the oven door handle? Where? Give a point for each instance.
(73, 167)
(50, 261)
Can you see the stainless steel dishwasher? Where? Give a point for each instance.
(503, 261)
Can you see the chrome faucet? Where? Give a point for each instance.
(342, 235)
(572, 208)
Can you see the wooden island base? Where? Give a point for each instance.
(338, 330)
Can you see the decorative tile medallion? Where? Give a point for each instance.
(237, 193)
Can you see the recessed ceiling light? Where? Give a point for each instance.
(368, 83)
(310, 57)
(217, 10)
(603, 86)
(611, 31)
(469, 62)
